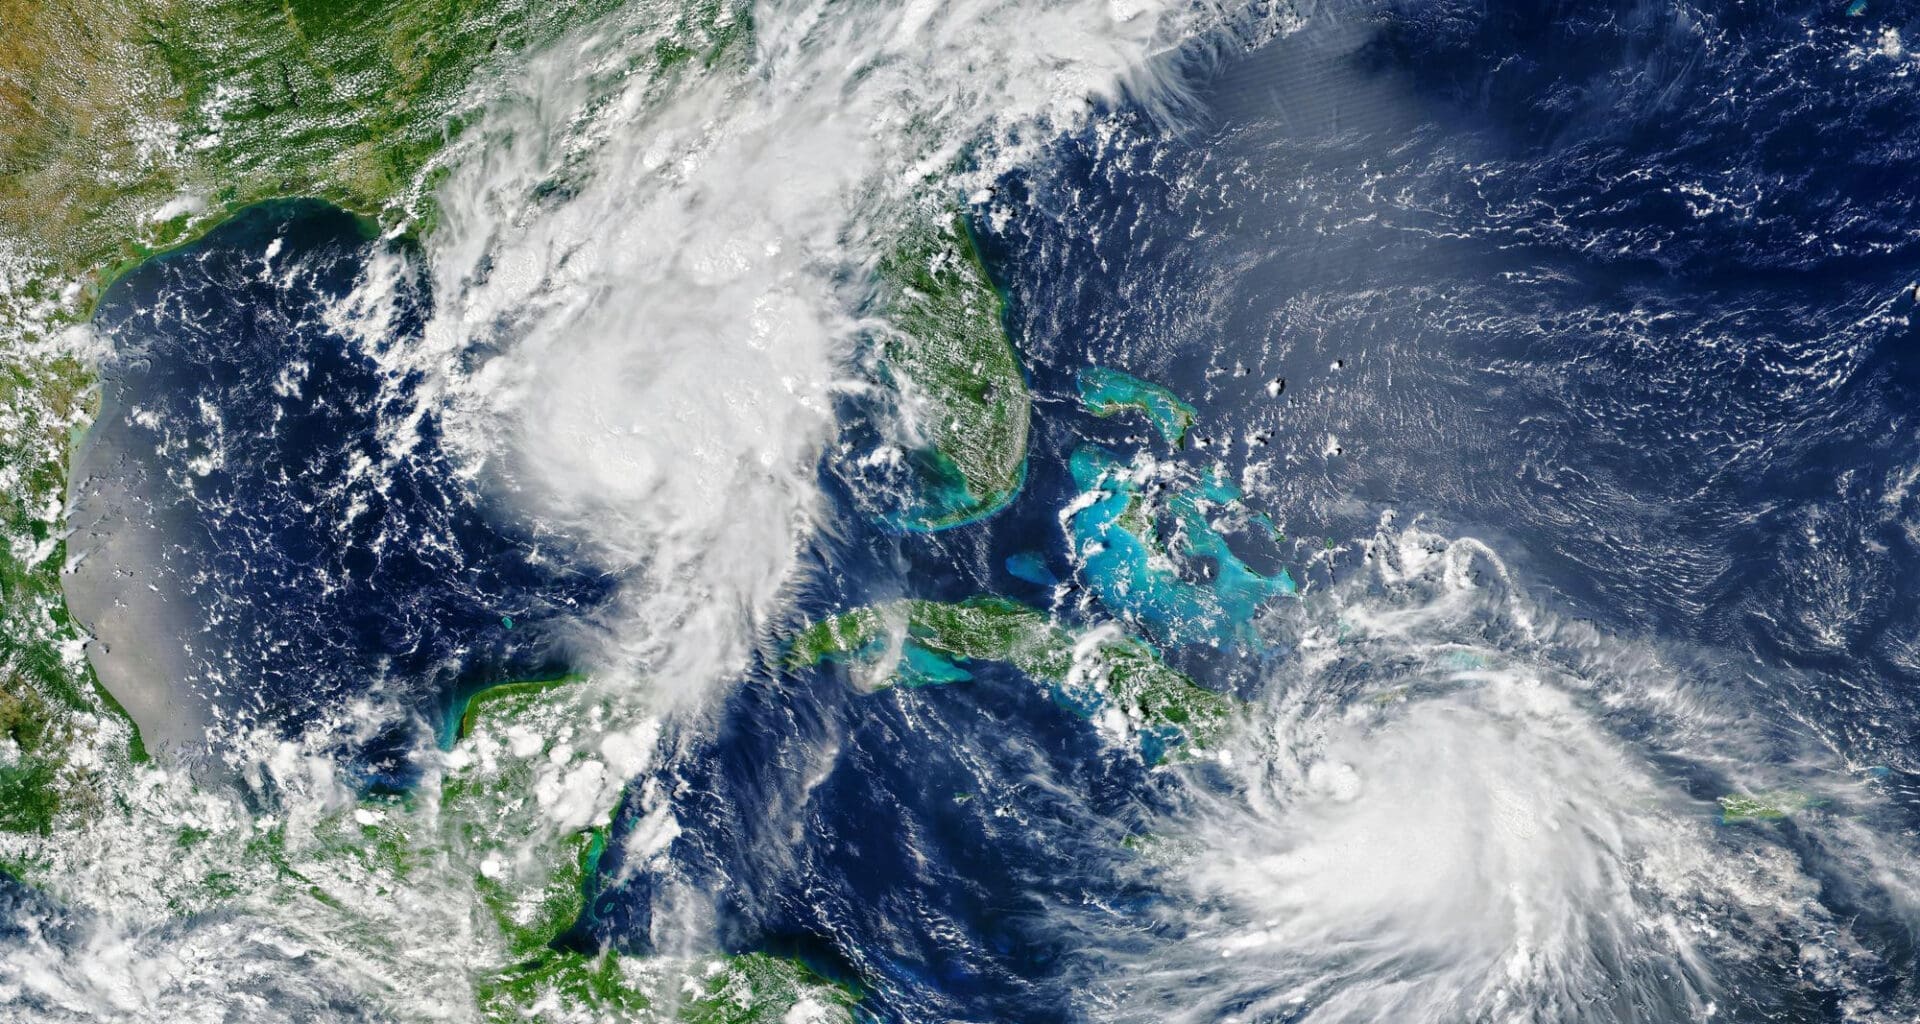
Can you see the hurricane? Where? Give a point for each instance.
(958, 510)
(1439, 816)
(617, 354)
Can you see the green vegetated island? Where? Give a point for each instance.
(131, 127)
(1776, 805)
(1110, 679)
(1108, 392)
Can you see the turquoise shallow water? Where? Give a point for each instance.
(1216, 602)
(1688, 420)
(1109, 392)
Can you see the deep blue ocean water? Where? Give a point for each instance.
(321, 560)
(1623, 290)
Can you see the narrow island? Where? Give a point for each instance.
(1105, 393)
(1741, 808)
(1100, 675)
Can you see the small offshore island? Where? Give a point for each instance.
(1108, 392)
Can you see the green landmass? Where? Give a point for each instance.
(49, 700)
(1736, 808)
(948, 355)
(566, 984)
(1087, 675)
(757, 988)
(501, 845)
(489, 800)
(468, 712)
(1107, 392)
(132, 127)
